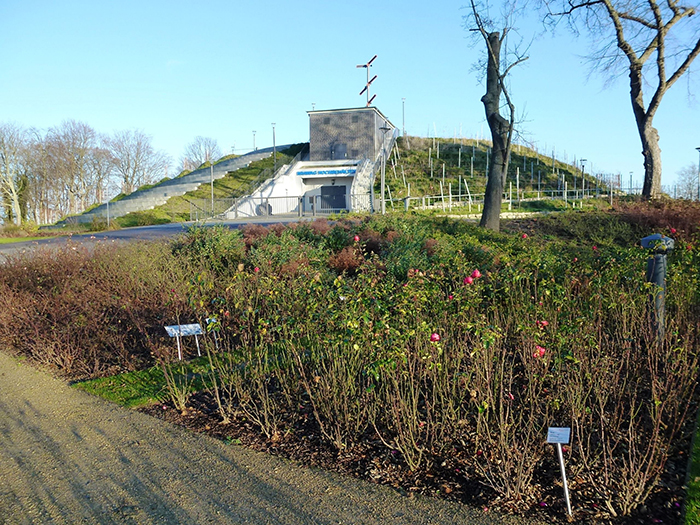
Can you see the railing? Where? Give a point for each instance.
(318, 205)
(293, 205)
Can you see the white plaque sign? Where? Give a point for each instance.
(558, 435)
(179, 330)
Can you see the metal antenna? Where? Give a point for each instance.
(366, 88)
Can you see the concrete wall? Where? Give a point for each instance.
(345, 133)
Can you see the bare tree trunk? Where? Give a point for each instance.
(500, 137)
(647, 132)
(652, 160)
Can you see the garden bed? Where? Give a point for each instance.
(426, 354)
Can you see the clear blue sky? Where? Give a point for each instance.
(222, 69)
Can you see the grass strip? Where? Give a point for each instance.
(9, 240)
(145, 387)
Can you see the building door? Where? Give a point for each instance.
(333, 198)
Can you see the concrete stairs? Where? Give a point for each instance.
(148, 199)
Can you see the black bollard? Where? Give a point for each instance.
(660, 247)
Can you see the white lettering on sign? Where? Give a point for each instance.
(558, 435)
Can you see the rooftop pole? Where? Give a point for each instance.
(366, 88)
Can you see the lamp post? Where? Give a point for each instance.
(211, 171)
(583, 177)
(698, 173)
(403, 115)
(274, 147)
(384, 130)
(254, 148)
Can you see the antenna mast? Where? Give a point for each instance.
(366, 88)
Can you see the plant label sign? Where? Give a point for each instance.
(180, 330)
(559, 435)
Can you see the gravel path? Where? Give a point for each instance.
(68, 457)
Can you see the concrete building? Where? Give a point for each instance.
(341, 134)
(337, 171)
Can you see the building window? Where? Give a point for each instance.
(355, 119)
(326, 120)
(355, 153)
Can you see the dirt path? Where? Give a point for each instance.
(67, 457)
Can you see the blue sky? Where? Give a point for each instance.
(222, 69)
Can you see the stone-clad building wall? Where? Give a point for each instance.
(346, 133)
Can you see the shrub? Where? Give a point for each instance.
(442, 342)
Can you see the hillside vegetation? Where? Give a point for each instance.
(419, 162)
(234, 184)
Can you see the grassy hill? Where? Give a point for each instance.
(416, 162)
(234, 184)
(411, 165)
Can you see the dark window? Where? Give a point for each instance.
(355, 153)
(355, 119)
(327, 120)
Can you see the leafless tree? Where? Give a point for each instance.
(496, 100)
(653, 41)
(199, 151)
(70, 147)
(12, 142)
(688, 186)
(135, 161)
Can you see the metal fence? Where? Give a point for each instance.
(297, 205)
(320, 205)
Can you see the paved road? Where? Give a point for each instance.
(67, 457)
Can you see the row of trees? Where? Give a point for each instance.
(46, 175)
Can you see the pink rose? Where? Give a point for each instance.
(476, 274)
(434, 337)
(468, 279)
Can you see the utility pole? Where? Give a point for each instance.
(211, 171)
(274, 147)
(403, 114)
(254, 148)
(384, 130)
(698, 173)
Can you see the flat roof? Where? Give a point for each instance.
(353, 110)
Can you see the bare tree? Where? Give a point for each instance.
(688, 186)
(69, 148)
(135, 161)
(12, 143)
(654, 41)
(41, 193)
(497, 98)
(199, 151)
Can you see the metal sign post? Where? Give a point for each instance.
(559, 435)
